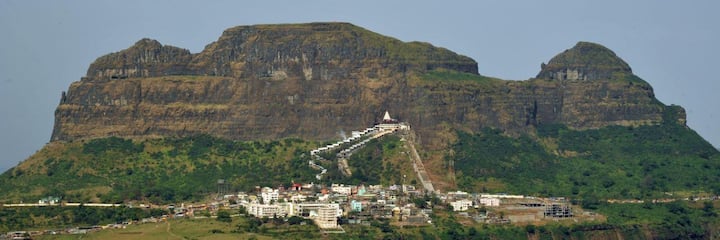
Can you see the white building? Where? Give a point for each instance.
(49, 200)
(490, 202)
(288, 209)
(313, 208)
(298, 198)
(342, 189)
(461, 205)
(327, 217)
(502, 196)
(457, 195)
(269, 195)
(264, 210)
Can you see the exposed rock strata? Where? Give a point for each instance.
(313, 80)
(585, 61)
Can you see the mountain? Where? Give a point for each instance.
(257, 86)
(311, 81)
(255, 82)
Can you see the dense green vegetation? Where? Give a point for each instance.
(490, 154)
(589, 166)
(673, 220)
(114, 170)
(372, 164)
(56, 216)
(158, 170)
(278, 228)
(670, 220)
(612, 162)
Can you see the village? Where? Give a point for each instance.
(332, 206)
(339, 204)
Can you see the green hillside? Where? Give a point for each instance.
(166, 170)
(158, 170)
(614, 162)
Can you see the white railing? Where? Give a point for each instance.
(374, 132)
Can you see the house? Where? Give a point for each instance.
(342, 189)
(326, 218)
(457, 195)
(269, 195)
(288, 209)
(461, 205)
(49, 200)
(361, 190)
(490, 202)
(242, 196)
(356, 206)
(339, 198)
(264, 210)
(17, 235)
(298, 198)
(502, 196)
(558, 210)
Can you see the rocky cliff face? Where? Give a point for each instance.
(312, 81)
(316, 51)
(144, 59)
(585, 61)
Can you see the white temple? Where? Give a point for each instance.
(389, 122)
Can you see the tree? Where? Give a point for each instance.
(472, 232)
(295, 220)
(420, 202)
(483, 209)
(278, 220)
(530, 229)
(677, 208)
(590, 201)
(242, 209)
(252, 224)
(383, 225)
(709, 209)
(224, 216)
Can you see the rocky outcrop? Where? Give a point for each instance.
(312, 81)
(321, 51)
(144, 59)
(585, 61)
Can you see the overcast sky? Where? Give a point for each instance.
(46, 45)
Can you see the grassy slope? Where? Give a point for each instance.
(611, 162)
(511, 161)
(381, 162)
(173, 229)
(628, 221)
(114, 169)
(167, 170)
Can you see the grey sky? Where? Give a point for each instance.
(46, 45)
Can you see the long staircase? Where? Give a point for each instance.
(346, 147)
(419, 167)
